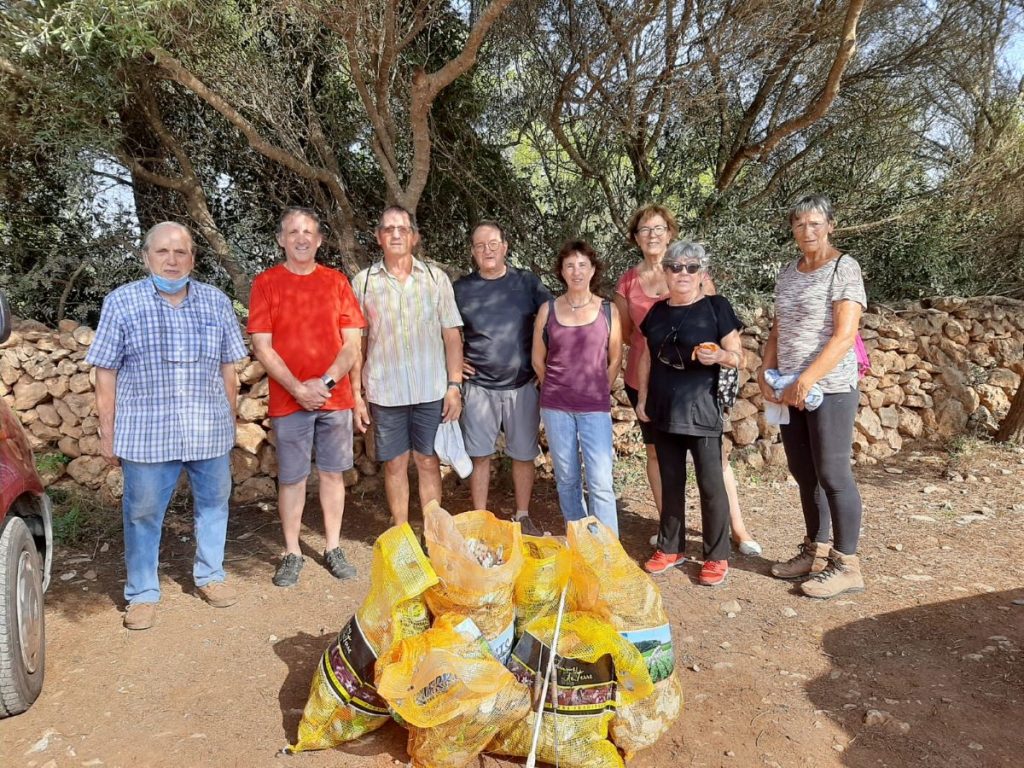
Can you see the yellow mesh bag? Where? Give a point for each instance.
(451, 692)
(595, 668)
(630, 601)
(399, 575)
(343, 703)
(546, 565)
(466, 587)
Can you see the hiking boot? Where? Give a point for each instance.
(528, 527)
(287, 574)
(714, 572)
(812, 559)
(140, 616)
(218, 594)
(842, 574)
(339, 567)
(662, 561)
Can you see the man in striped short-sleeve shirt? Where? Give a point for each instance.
(412, 378)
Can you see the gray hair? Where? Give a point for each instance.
(153, 230)
(813, 204)
(298, 210)
(398, 209)
(685, 250)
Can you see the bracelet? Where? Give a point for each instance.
(456, 384)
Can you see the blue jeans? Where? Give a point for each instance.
(568, 434)
(147, 492)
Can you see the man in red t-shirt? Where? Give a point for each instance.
(306, 329)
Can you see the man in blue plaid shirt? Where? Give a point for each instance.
(165, 393)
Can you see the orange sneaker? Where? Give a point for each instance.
(661, 562)
(714, 572)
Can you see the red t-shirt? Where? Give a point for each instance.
(305, 314)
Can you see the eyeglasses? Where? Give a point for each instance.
(692, 268)
(396, 229)
(661, 229)
(493, 245)
(670, 353)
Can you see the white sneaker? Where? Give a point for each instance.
(750, 548)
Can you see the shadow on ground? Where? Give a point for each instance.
(301, 654)
(941, 684)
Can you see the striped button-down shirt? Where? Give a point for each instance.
(170, 402)
(405, 360)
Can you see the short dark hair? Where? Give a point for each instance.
(816, 203)
(487, 223)
(398, 209)
(583, 248)
(298, 210)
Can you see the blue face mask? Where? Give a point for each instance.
(165, 285)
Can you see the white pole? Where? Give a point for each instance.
(531, 760)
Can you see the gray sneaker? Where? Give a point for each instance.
(339, 567)
(287, 574)
(528, 527)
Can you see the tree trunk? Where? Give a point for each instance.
(153, 203)
(1012, 428)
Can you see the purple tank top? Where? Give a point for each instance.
(576, 369)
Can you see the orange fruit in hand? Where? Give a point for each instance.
(707, 346)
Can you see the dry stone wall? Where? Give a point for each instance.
(938, 369)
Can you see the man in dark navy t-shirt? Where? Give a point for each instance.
(498, 304)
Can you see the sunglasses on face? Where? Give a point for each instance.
(677, 267)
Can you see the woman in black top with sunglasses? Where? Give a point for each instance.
(690, 335)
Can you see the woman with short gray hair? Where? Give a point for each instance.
(819, 298)
(690, 336)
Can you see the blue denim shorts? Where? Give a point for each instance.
(398, 429)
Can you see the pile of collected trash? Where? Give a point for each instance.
(456, 647)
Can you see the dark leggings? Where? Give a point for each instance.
(818, 445)
(714, 502)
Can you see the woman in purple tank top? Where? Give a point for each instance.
(577, 352)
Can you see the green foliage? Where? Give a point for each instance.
(51, 463)
(559, 131)
(80, 520)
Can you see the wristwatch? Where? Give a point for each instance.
(328, 381)
(456, 384)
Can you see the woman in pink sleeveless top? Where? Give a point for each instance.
(652, 228)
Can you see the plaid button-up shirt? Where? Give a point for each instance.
(170, 401)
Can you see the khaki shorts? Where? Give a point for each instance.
(329, 432)
(485, 412)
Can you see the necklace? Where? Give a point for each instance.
(574, 307)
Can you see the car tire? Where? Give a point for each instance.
(22, 619)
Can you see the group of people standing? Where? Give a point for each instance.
(400, 350)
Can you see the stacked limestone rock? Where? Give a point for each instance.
(939, 368)
(45, 379)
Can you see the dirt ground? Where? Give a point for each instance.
(923, 669)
